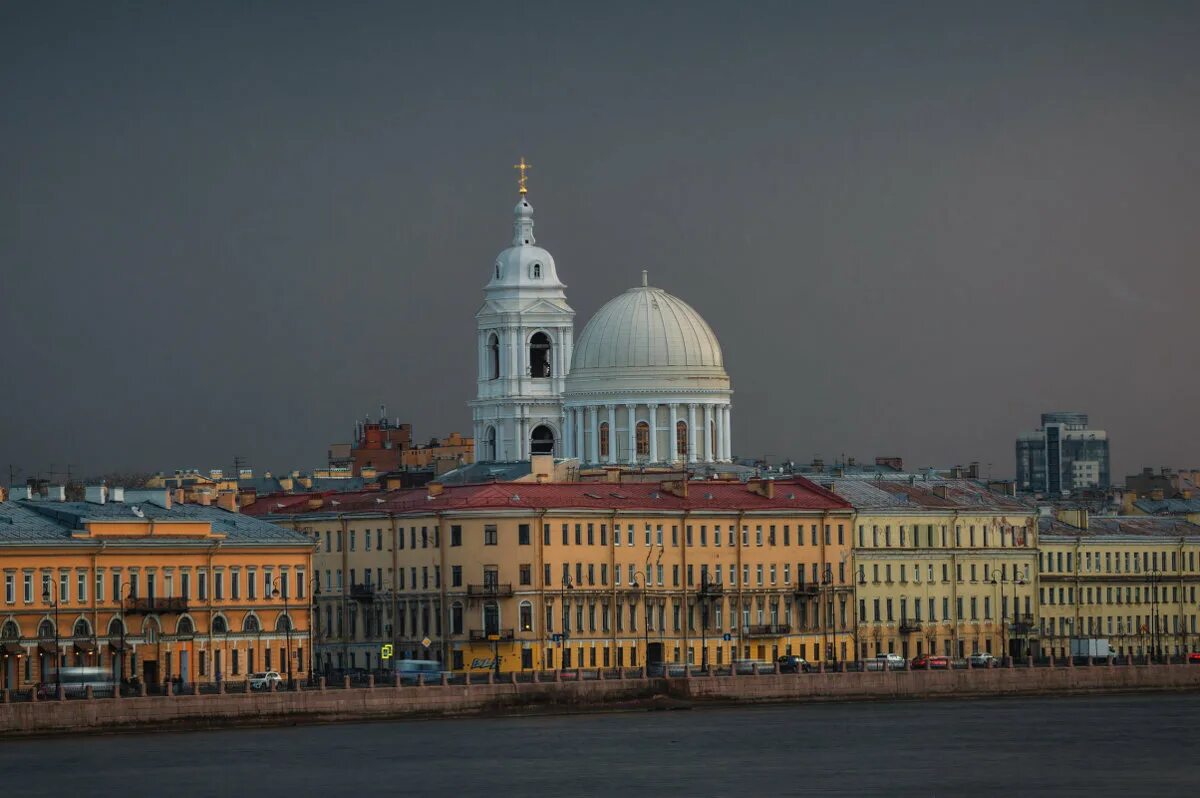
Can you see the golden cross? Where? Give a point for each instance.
(521, 167)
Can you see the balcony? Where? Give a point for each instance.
(1023, 625)
(145, 606)
(363, 592)
(490, 590)
(492, 635)
(909, 627)
(768, 630)
(806, 590)
(710, 589)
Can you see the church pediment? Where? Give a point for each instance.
(501, 307)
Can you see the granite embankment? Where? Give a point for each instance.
(390, 702)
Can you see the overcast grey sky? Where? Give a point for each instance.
(229, 229)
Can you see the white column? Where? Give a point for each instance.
(579, 427)
(593, 413)
(709, 455)
(653, 432)
(611, 410)
(693, 442)
(568, 436)
(518, 364)
(672, 446)
(631, 414)
(726, 440)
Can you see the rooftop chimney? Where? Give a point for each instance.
(763, 487)
(228, 500)
(95, 494)
(116, 494)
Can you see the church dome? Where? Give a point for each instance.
(646, 338)
(524, 264)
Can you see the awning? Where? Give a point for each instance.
(85, 646)
(11, 649)
(47, 647)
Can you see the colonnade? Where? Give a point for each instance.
(608, 433)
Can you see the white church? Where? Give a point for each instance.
(644, 384)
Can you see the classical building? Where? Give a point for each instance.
(548, 575)
(1063, 456)
(942, 566)
(150, 589)
(1131, 580)
(645, 385)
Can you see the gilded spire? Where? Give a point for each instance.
(521, 167)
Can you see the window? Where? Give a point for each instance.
(681, 440)
(526, 616)
(455, 575)
(642, 439)
(456, 535)
(604, 439)
(493, 374)
(523, 535)
(526, 574)
(539, 354)
(10, 588)
(81, 586)
(489, 534)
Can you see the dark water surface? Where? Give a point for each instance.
(1109, 745)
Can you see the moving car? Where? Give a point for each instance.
(411, 670)
(982, 659)
(793, 664)
(931, 662)
(889, 662)
(264, 680)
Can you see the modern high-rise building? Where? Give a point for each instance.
(1063, 456)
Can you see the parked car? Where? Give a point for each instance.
(931, 662)
(982, 659)
(264, 680)
(793, 664)
(1194, 658)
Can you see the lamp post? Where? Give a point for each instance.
(998, 580)
(827, 611)
(860, 579)
(121, 595)
(1153, 578)
(705, 595)
(314, 622)
(57, 653)
(635, 587)
(276, 593)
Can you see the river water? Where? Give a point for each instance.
(1106, 745)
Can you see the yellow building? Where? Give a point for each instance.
(556, 575)
(152, 590)
(942, 566)
(1129, 579)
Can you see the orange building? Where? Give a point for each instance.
(150, 589)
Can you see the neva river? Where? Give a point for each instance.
(1111, 745)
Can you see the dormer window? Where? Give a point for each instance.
(535, 271)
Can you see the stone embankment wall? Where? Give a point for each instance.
(374, 703)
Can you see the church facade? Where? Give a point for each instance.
(644, 385)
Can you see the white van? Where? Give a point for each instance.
(409, 670)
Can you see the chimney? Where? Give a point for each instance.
(19, 492)
(116, 494)
(204, 498)
(435, 488)
(763, 487)
(941, 491)
(675, 487)
(178, 496)
(612, 475)
(56, 493)
(228, 500)
(1185, 494)
(95, 494)
(956, 472)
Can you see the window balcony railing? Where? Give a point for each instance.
(149, 605)
(908, 627)
(490, 590)
(807, 589)
(768, 629)
(492, 635)
(363, 592)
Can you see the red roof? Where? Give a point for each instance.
(790, 494)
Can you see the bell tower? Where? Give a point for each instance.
(524, 337)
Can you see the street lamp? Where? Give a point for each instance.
(1153, 578)
(705, 594)
(275, 593)
(566, 617)
(121, 595)
(314, 622)
(635, 587)
(827, 586)
(57, 653)
(998, 580)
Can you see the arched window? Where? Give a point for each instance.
(541, 440)
(643, 439)
(45, 629)
(539, 356)
(489, 444)
(185, 627)
(604, 439)
(283, 624)
(526, 616)
(493, 356)
(150, 630)
(10, 631)
(456, 618)
(116, 628)
(491, 618)
(681, 441)
(219, 626)
(250, 624)
(535, 271)
(82, 628)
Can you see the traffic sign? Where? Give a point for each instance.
(727, 637)
(386, 651)
(426, 642)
